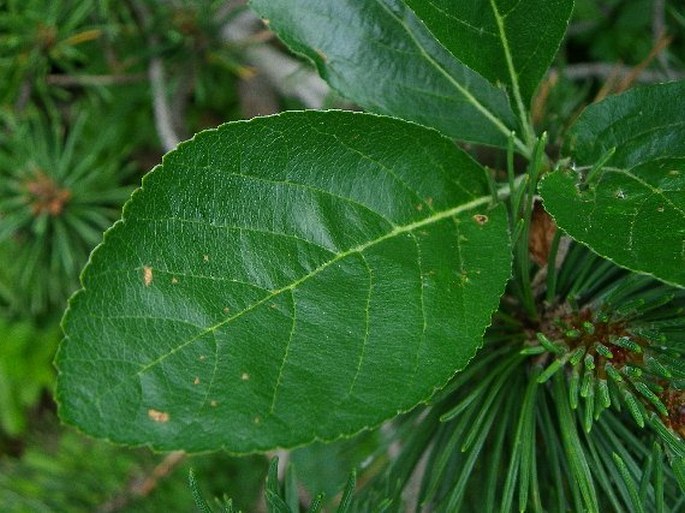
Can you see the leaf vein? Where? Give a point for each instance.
(367, 323)
(461, 21)
(286, 353)
(460, 89)
(424, 319)
(241, 228)
(396, 231)
(647, 185)
(210, 385)
(380, 165)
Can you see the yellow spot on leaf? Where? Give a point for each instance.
(147, 275)
(213, 403)
(197, 381)
(205, 258)
(174, 280)
(158, 416)
(244, 376)
(226, 310)
(202, 357)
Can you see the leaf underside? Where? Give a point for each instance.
(380, 55)
(633, 210)
(281, 280)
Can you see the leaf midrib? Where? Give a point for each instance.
(396, 231)
(654, 190)
(464, 92)
(513, 75)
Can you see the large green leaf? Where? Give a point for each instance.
(632, 210)
(284, 279)
(507, 41)
(378, 54)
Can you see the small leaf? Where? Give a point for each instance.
(633, 213)
(379, 55)
(641, 125)
(311, 274)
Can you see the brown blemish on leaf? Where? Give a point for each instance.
(147, 275)
(481, 219)
(158, 416)
(542, 230)
(196, 381)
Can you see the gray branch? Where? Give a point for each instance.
(286, 74)
(603, 71)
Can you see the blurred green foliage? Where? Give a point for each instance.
(75, 474)
(75, 112)
(622, 31)
(77, 129)
(26, 370)
(60, 188)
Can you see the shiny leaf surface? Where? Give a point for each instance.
(511, 42)
(631, 207)
(281, 280)
(380, 55)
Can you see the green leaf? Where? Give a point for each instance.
(642, 125)
(286, 279)
(379, 55)
(512, 42)
(631, 207)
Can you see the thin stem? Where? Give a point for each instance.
(552, 267)
(534, 171)
(605, 70)
(156, 75)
